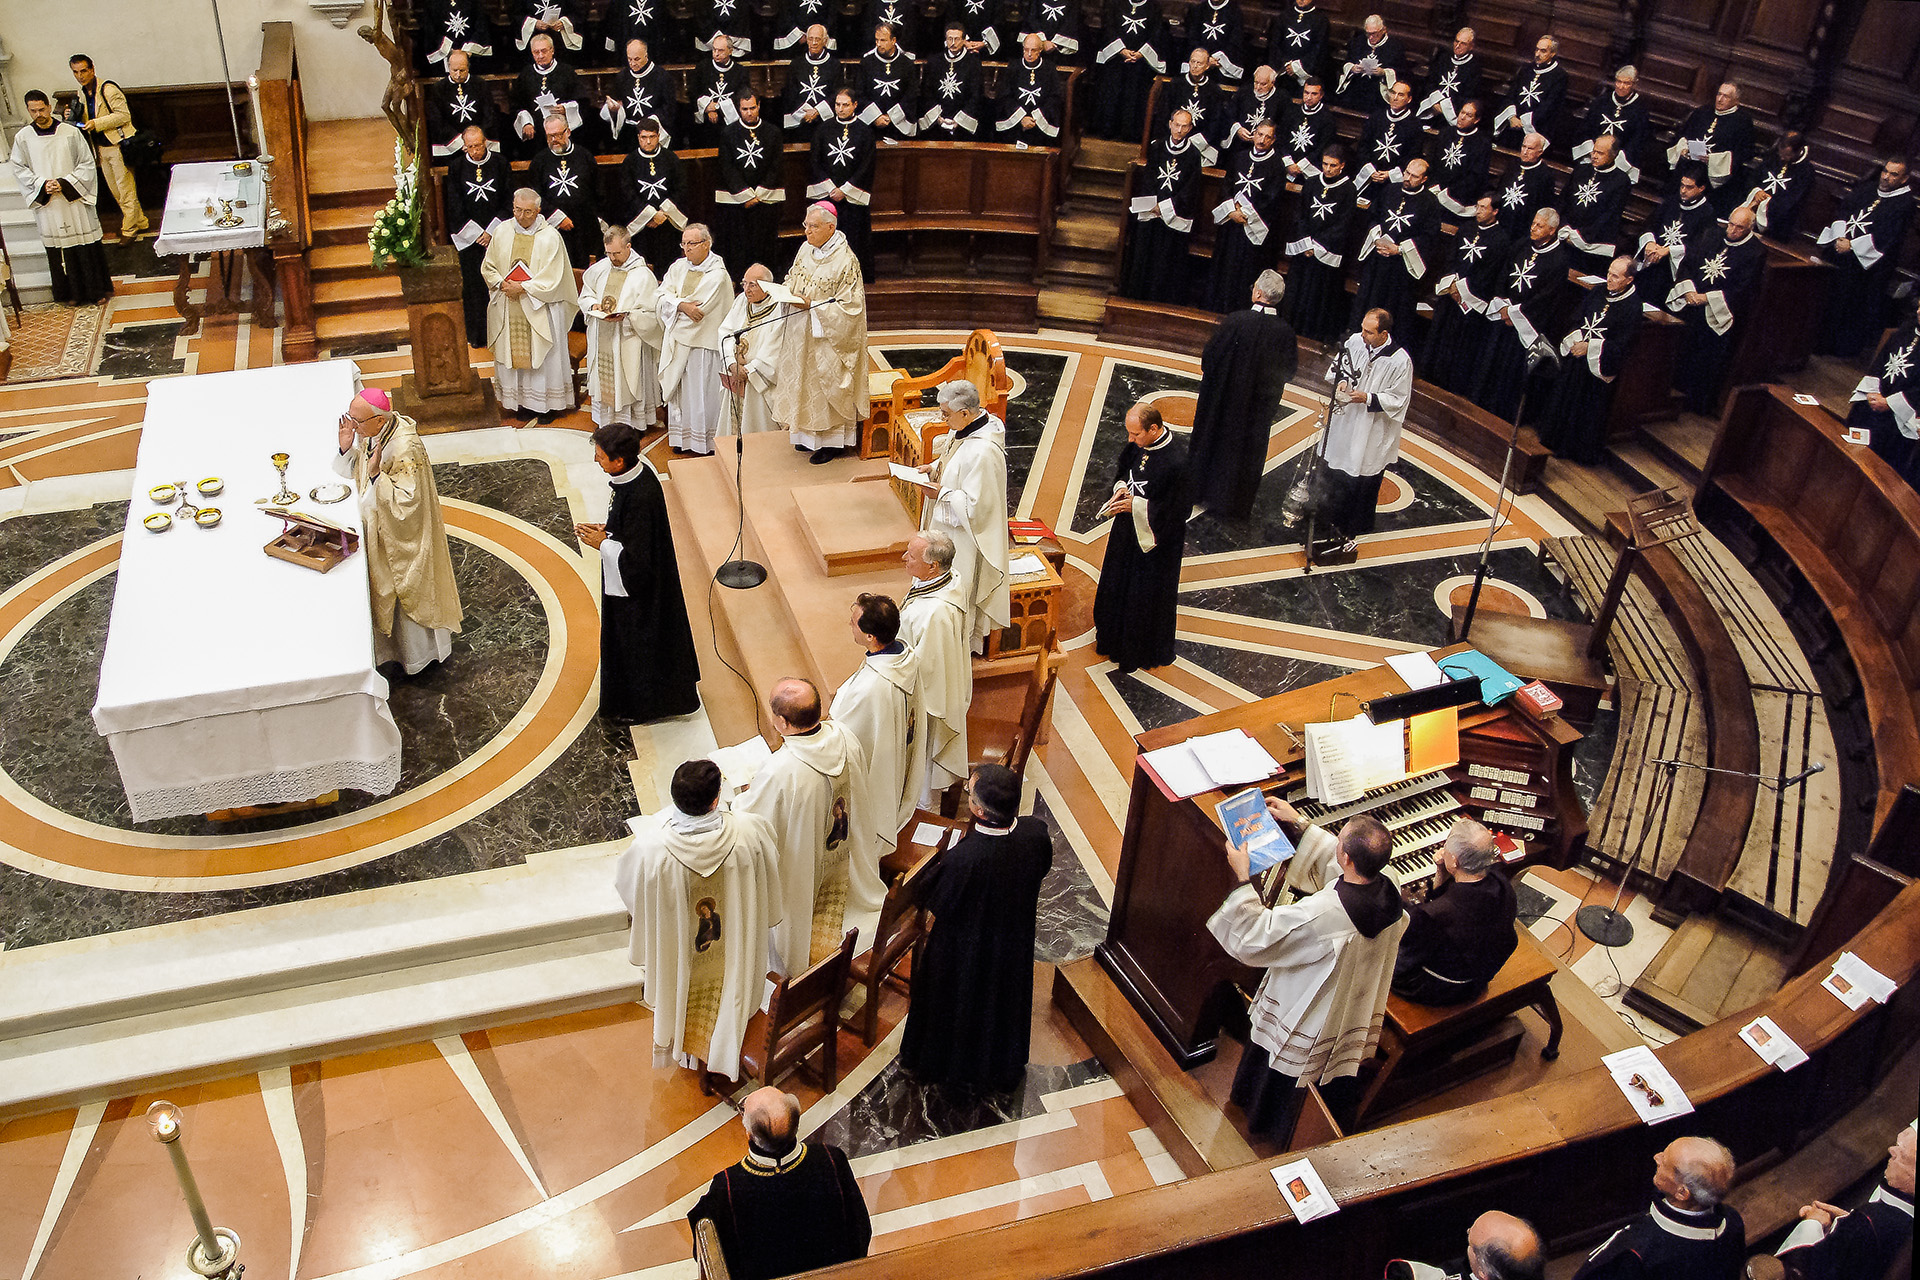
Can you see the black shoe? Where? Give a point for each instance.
(545, 419)
(821, 456)
(799, 448)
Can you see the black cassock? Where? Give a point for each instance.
(1627, 121)
(646, 20)
(1216, 26)
(1591, 202)
(952, 87)
(447, 25)
(781, 1217)
(843, 158)
(1120, 87)
(1528, 188)
(1297, 43)
(811, 82)
(1356, 90)
(1729, 138)
(452, 108)
(1534, 284)
(902, 15)
(536, 90)
(1028, 90)
(1682, 227)
(476, 197)
(1729, 274)
(1241, 251)
(1786, 183)
(1250, 109)
(1057, 22)
(1864, 1243)
(890, 87)
(652, 186)
(1573, 419)
(1411, 219)
(751, 165)
(1451, 358)
(1457, 164)
(730, 18)
(1305, 138)
(1134, 606)
(971, 1015)
(1244, 369)
(1895, 375)
(648, 666)
(632, 98)
(1450, 85)
(981, 19)
(569, 181)
(1390, 141)
(1316, 257)
(1206, 101)
(523, 14)
(1875, 223)
(1534, 102)
(714, 87)
(1156, 267)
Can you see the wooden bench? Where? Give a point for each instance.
(1427, 1048)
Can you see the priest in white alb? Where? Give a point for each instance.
(752, 329)
(703, 887)
(969, 474)
(933, 622)
(53, 163)
(623, 335)
(822, 393)
(880, 706)
(814, 792)
(692, 301)
(530, 306)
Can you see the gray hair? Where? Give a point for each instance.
(1628, 72)
(1551, 214)
(939, 551)
(699, 229)
(958, 394)
(822, 210)
(1471, 846)
(1707, 1181)
(1271, 286)
(528, 192)
(1553, 42)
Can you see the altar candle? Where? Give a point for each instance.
(259, 125)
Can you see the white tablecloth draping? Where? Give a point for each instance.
(230, 677)
(185, 227)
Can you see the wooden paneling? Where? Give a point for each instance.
(1887, 41)
(1783, 24)
(1700, 15)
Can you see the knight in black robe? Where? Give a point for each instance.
(717, 80)
(790, 1206)
(1375, 60)
(1720, 281)
(1863, 244)
(1244, 369)
(751, 193)
(1389, 140)
(1317, 250)
(971, 1013)
(1825, 1245)
(568, 180)
(547, 86)
(1216, 26)
(1197, 91)
(1527, 188)
(1526, 307)
(1592, 199)
(1887, 401)
(1057, 23)
(901, 16)
(1155, 267)
(655, 195)
(1135, 604)
(446, 25)
(457, 102)
(1684, 217)
(478, 193)
(1125, 66)
(1689, 1231)
(1452, 82)
(649, 668)
(889, 88)
(643, 89)
(1248, 217)
(1398, 246)
(952, 108)
(797, 18)
(1721, 137)
(1621, 110)
(1460, 333)
(1458, 159)
(1777, 186)
(1539, 93)
(1028, 108)
(1572, 417)
(813, 77)
(1308, 132)
(1297, 42)
(648, 21)
(730, 18)
(980, 19)
(1258, 102)
(842, 169)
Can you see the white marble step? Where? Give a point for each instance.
(182, 1046)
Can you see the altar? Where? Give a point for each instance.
(231, 678)
(234, 236)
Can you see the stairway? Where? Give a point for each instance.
(350, 178)
(1084, 257)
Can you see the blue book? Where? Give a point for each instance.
(1247, 822)
(1497, 684)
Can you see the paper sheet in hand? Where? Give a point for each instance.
(1765, 1038)
(739, 762)
(1419, 670)
(1855, 981)
(1639, 1063)
(780, 293)
(1304, 1192)
(1248, 824)
(1696, 149)
(911, 476)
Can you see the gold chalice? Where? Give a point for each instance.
(285, 496)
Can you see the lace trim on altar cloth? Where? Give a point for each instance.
(375, 777)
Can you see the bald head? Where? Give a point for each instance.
(1503, 1247)
(796, 704)
(772, 1120)
(1740, 223)
(1693, 1173)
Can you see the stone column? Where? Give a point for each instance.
(442, 393)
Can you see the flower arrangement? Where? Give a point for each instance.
(399, 234)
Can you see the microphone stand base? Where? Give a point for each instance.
(741, 575)
(1604, 926)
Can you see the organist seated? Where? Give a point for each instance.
(1459, 937)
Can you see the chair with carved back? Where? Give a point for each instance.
(902, 925)
(802, 1018)
(707, 1252)
(1010, 742)
(980, 362)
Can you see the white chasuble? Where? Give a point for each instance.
(813, 791)
(970, 467)
(703, 891)
(622, 355)
(933, 621)
(525, 330)
(763, 357)
(60, 156)
(822, 394)
(879, 705)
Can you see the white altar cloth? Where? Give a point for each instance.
(184, 225)
(232, 678)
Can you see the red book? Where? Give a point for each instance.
(519, 274)
(1537, 701)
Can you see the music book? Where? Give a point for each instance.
(1188, 768)
(911, 476)
(741, 761)
(1496, 682)
(1348, 758)
(1247, 822)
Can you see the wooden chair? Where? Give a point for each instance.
(6, 274)
(902, 925)
(707, 1252)
(802, 1017)
(980, 362)
(577, 353)
(907, 854)
(1011, 742)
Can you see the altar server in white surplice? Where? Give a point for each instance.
(622, 350)
(53, 165)
(970, 468)
(756, 380)
(528, 319)
(814, 792)
(933, 621)
(703, 888)
(693, 300)
(879, 705)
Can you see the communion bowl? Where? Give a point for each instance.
(207, 517)
(163, 493)
(210, 486)
(158, 522)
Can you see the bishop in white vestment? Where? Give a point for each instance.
(970, 468)
(933, 622)
(54, 166)
(754, 381)
(693, 299)
(703, 887)
(623, 335)
(530, 306)
(879, 705)
(814, 792)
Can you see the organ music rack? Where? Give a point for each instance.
(1514, 775)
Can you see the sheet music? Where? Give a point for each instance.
(1348, 758)
(1419, 670)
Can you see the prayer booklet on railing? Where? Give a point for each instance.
(1649, 1087)
(1303, 1190)
(1348, 758)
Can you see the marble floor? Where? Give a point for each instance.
(551, 1143)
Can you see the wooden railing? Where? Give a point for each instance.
(284, 112)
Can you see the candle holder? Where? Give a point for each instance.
(215, 1251)
(285, 496)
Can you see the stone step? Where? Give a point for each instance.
(376, 291)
